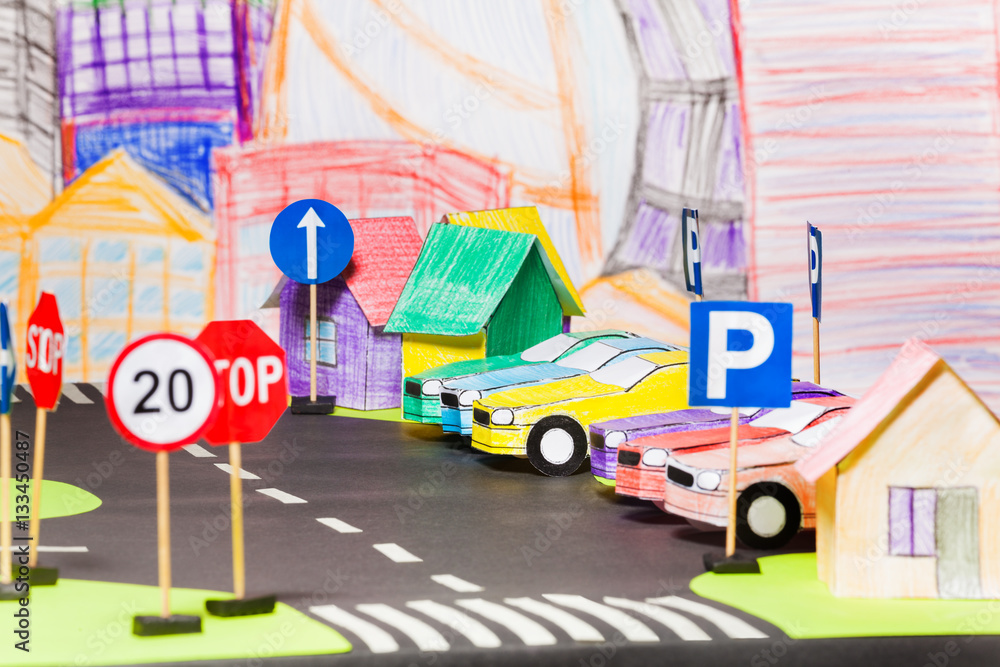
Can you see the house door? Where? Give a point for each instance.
(957, 537)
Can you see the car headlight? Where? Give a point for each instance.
(432, 388)
(709, 481)
(502, 417)
(655, 458)
(467, 398)
(613, 439)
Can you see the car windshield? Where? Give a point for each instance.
(793, 419)
(813, 436)
(549, 349)
(625, 374)
(590, 358)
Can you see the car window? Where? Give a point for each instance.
(549, 349)
(590, 358)
(793, 419)
(625, 374)
(813, 436)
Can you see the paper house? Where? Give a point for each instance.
(908, 488)
(356, 360)
(478, 292)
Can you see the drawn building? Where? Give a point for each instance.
(28, 80)
(363, 178)
(688, 147)
(167, 80)
(908, 488)
(125, 255)
(356, 360)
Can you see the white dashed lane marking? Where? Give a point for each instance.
(277, 494)
(339, 526)
(397, 554)
(198, 451)
(228, 469)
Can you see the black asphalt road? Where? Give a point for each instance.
(488, 520)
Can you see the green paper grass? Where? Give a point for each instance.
(58, 499)
(788, 594)
(90, 623)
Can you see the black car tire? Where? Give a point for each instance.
(557, 446)
(768, 497)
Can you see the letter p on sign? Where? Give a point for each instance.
(741, 354)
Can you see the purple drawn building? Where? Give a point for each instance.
(689, 144)
(167, 80)
(356, 361)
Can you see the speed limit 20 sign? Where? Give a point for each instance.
(163, 392)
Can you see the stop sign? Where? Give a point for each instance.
(254, 381)
(45, 351)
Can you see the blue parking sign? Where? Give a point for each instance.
(741, 354)
(311, 241)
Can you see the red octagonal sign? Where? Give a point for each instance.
(254, 381)
(44, 353)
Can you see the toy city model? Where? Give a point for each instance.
(458, 396)
(775, 502)
(421, 392)
(548, 423)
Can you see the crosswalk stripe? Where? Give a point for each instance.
(339, 526)
(424, 636)
(277, 494)
(529, 631)
(577, 629)
(198, 451)
(456, 584)
(101, 387)
(73, 393)
(13, 395)
(397, 554)
(684, 627)
(476, 632)
(27, 388)
(736, 628)
(632, 628)
(56, 549)
(378, 640)
(228, 469)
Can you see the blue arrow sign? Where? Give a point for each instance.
(8, 361)
(311, 241)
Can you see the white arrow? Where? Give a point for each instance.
(311, 221)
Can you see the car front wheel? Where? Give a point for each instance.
(557, 446)
(768, 515)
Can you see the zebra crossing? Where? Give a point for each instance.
(71, 391)
(429, 625)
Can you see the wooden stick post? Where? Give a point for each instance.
(815, 350)
(163, 528)
(36, 484)
(312, 343)
(5, 523)
(734, 422)
(236, 500)
(699, 297)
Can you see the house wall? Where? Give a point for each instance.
(941, 437)
(384, 385)
(423, 351)
(529, 312)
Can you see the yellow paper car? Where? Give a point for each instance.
(549, 423)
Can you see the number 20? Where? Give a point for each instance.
(142, 408)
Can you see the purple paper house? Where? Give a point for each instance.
(356, 361)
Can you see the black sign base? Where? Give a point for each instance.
(157, 626)
(737, 564)
(323, 405)
(43, 576)
(245, 607)
(9, 592)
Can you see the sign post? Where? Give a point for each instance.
(741, 356)
(43, 363)
(311, 242)
(163, 392)
(815, 238)
(254, 380)
(692, 252)
(8, 371)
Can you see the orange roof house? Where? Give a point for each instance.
(908, 488)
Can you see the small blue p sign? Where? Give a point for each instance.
(741, 354)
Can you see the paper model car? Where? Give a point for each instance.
(651, 432)
(457, 396)
(774, 502)
(421, 392)
(548, 422)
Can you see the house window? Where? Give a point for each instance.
(326, 342)
(912, 521)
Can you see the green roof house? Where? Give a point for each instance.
(476, 292)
